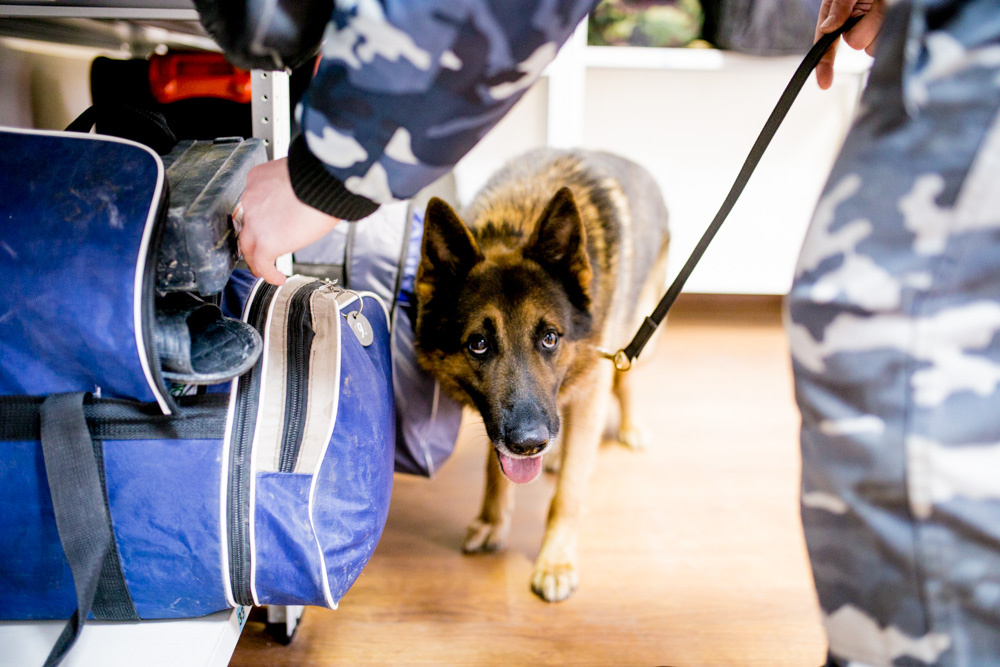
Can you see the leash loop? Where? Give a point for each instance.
(623, 358)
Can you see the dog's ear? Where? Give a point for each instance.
(559, 243)
(449, 250)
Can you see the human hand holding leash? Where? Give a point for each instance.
(274, 221)
(832, 15)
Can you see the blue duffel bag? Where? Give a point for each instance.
(127, 497)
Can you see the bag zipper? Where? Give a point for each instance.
(299, 339)
(244, 421)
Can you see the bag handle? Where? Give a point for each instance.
(144, 126)
(82, 518)
(623, 358)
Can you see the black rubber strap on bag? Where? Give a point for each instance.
(791, 91)
(77, 499)
(201, 417)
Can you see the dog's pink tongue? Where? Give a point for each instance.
(521, 471)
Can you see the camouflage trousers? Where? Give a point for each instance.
(894, 327)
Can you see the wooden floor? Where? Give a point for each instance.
(691, 552)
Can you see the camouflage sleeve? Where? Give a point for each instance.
(405, 89)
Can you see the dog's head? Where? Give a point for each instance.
(500, 315)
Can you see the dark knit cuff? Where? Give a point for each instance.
(317, 187)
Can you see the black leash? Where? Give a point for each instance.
(623, 358)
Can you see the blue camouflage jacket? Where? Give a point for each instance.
(405, 89)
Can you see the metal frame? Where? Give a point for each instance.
(269, 106)
(176, 11)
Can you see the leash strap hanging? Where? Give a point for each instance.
(624, 357)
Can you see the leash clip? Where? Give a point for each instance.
(620, 359)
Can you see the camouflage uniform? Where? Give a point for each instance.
(894, 325)
(405, 89)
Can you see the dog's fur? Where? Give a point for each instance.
(563, 252)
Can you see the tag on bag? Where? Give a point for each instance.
(361, 327)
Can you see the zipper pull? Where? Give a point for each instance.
(358, 323)
(331, 286)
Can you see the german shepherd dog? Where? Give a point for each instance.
(564, 252)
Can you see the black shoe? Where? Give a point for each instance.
(198, 345)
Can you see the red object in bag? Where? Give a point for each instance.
(188, 74)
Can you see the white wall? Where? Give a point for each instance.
(44, 85)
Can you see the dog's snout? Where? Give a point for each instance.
(528, 441)
(526, 428)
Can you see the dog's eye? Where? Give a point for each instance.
(477, 345)
(550, 340)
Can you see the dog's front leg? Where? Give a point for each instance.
(555, 576)
(490, 530)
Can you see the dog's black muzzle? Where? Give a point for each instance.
(525, 429)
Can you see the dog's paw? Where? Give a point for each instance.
(633, 438)
(554, 582)
(482, 536)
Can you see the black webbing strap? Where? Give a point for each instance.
(81, 516)
(113, 601)
(632, 350)
(200, 417)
